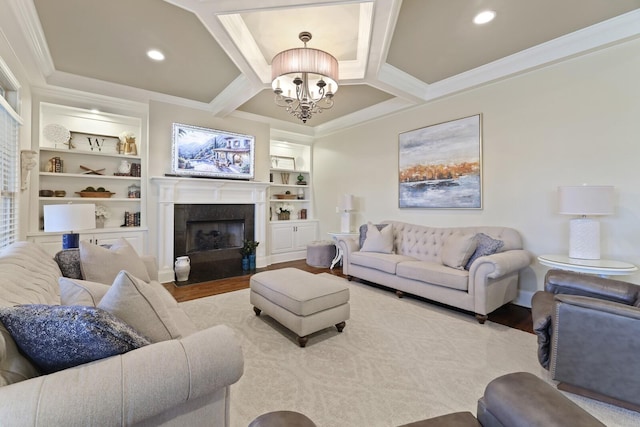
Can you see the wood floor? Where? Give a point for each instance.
(510, 315)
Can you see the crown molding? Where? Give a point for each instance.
(616, 30)
(27, 17)
(91, 100)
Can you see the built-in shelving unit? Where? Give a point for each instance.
(80, 148)
(291, 186)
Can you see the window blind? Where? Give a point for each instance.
(9, 167)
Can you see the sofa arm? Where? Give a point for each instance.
(500, 264)
(592, 346)
(129, 388)
(541, 311)
(347, 245)
(522, 399)
(567, 282)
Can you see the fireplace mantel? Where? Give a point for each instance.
(182, 190)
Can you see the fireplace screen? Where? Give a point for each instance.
(212, 235)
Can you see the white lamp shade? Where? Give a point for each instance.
(586, 200)
(69, 217)
(346, 202)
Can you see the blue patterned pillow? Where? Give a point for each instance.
(56, 337)
(486, 246)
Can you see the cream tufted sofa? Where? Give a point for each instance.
(415, 267)
(178, 382)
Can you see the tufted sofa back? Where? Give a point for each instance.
(426, 243)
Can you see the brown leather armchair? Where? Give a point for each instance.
(588, 331)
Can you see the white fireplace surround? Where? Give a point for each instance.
(174, 190)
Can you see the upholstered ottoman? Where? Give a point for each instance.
(300, 301)
(320, 253)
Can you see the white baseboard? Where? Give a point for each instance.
(523, 299)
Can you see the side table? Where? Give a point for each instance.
(601, 267)
(335, 236)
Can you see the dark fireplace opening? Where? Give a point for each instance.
(211, 236)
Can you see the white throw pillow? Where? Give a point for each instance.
(142, 306)
(378, 240)
(102, 265)
(457, 250)
(81, 292)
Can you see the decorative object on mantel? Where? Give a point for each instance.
(293, 71)
(89, 171)
(27, 162)
(99, 192)
(102, 214)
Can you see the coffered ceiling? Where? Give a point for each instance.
(393, 54)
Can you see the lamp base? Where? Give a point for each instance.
(584, 238)
(345, 222)
(70, 241)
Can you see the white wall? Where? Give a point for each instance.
(567, 124)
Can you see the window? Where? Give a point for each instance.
(9, 161)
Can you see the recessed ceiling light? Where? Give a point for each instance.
(95, 110)
(484, 17)
(155, 54)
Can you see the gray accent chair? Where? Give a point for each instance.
(519, 399)
(588, 329)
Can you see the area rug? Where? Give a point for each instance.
(397, 361)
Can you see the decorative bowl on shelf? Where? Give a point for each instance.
(97, 194)
(286, 196)
(46, 193)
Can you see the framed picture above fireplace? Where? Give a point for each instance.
(203, 152)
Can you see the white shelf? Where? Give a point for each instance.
(88, 175)
(88, 153)
(92, 199)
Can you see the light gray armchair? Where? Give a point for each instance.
(588, 331)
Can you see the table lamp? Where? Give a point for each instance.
(346, 206)
(69, 218)
(585, 200)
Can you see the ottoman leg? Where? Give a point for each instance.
(340, 326)
(302, 341)
(257, 310)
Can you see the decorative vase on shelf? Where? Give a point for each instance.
(182, 268)
(124, 167)
(100, 222)
(252, 261)
(245, 263)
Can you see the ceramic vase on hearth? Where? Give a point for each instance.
(182, 268)
(245, 263)
(252, 261)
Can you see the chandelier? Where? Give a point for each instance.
(308, 77)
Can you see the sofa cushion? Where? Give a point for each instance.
(14, 367)
(435, 273)
(81, 292)
(56, 337)
(69, 262)
(363, 232)
(487, 245)
(143, 306)
(102, 265)
(457, 250)
(378, 240)
(378, 261)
